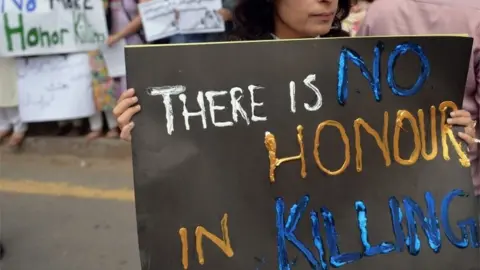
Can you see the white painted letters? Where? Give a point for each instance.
(210, 97)
(308, 83)
(254, 104)
(187, 114)
(293, 107)
(166, 92)
(237, 106)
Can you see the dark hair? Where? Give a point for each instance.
(254, 20)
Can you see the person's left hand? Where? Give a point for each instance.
(112, 40)
(463, 118)
(225, 13)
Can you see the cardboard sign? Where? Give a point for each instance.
(312, 154)
(66, 27)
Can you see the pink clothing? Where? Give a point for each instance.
(417, 17)
(122, 12)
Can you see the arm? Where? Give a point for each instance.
(132, 27)
(227, 10)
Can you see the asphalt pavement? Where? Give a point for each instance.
(67, 213)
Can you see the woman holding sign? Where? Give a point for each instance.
(284, 19)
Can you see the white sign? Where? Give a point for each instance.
(53, 27)
(200, 16)
(158, 19)
(69, 96)
(164, 18)
(115, 59)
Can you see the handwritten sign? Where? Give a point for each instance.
(60, 27)
(69, 96)
(194, 17)
(335, 154)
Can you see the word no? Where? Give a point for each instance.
(30, 6)
(419, 139)
(429, 224)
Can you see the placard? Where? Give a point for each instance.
(160, 19)
(69, 96)
(60, 27)
(312, 154)
(115, 58)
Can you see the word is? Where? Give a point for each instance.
(429, 223)
(419, 138)
(200, 232)
(32, 37)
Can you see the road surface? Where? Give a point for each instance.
(65, 213)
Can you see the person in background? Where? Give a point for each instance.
(420, 17)
(123, 22)
(225, 13)
(69, 128)
(105, 98)
(104, 93)
(357, 13)
(10, 121)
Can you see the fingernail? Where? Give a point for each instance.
(132, 124)
(452, 114)
(138, 107)
(131, 90)
(134, 99)
(449, 120)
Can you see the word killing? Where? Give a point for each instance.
(429, 224)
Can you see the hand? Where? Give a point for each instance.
(463, 118)
(112, 40)
(225, 13)
(124, 111)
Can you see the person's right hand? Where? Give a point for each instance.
(124, 110)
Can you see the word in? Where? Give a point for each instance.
(428, 222)
(32, 37)
(200, 232)
(419, 138)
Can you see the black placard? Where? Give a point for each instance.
(190, 183)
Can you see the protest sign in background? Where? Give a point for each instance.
(335, 154)
(194, 17)
(69, 96)
(53, 27)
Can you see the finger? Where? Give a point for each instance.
(467, 138)
(470, 130)
(461, 121)
(126, 133)
(460, 113)
(127, 94)
(126, 117)
(124, 105)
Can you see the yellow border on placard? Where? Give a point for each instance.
(277, 40)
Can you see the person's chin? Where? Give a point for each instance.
(320, 30)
